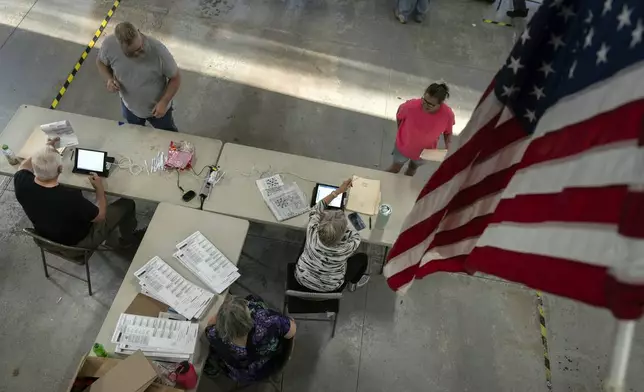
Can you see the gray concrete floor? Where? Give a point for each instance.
(320, 78)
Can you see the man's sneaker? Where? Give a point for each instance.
(518, 13)
(400, 17)
(419, 18)
(363, 281)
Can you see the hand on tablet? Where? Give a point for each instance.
(345, 186)
(96, 181)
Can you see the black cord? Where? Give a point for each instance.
(201, 171)
(202, 198)
(179, 186)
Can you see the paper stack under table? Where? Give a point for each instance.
(161, 282)
(207, 262)
(159, 339)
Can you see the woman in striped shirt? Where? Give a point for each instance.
(327, 262)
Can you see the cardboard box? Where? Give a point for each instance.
(133, 374)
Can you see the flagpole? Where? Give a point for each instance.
(621, 352)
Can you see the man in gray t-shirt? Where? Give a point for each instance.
(143, 72)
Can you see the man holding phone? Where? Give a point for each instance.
(62, 214)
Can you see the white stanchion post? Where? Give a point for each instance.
(616, 380)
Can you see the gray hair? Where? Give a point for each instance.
(47, 164)
(332, 226)
(234, 319)
(125, 33)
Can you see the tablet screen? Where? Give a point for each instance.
(90, 160)
(324, 191)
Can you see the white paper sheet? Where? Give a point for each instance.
(207, 262)
(168, 286)
(153, 334)
(63, 130)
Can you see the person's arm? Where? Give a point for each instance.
(161, 108)
(107, 73)
(447, 137)
(101, 199)
(341, 189)
(170, 70)
(291, 331)
(26, 165)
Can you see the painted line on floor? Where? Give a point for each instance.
(84, 55)
(544, 340)
(497, 23)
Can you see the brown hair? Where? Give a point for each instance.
(125, 33)
(439, 91)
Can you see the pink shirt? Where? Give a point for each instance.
(418, 130)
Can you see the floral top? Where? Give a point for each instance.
(253, 362)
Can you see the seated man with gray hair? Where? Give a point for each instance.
(247, 339)
(327, 262)
(62, 214)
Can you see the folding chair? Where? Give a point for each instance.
(74, 254)
(297, 301)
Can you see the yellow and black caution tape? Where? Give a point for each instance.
(544, 340)
(84, 55)
(497, 23)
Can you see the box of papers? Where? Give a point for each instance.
(364, 196)
(91, 369)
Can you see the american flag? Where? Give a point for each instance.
(546, 186)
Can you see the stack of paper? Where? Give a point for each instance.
(364, 196)
(63, 130)
(161, 282)
(207, 262)
(159, 339)
(284, 200)
(433, 154)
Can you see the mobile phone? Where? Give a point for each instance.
(356, 221)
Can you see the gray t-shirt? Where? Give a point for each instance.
(143, 79)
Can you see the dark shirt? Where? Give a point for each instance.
(265, 338)
(59, 214)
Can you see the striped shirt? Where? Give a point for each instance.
(322, 268)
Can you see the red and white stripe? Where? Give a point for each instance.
(553, 210)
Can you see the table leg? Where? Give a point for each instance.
(384, 259)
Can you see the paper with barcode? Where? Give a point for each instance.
(207, 262)
(151, 334)
(167, 285)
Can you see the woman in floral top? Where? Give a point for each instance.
(246, 338)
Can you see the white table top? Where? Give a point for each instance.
(135, 142)
(237, 194)
(170, 225)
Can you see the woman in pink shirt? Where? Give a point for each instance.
(420, 124)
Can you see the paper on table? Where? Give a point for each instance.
(170, 287)
(437, 155)
(207, 262)
(364, 196)
(153, 334)
(63, 130)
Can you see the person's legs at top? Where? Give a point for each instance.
(520, 9)
(399, 161)
(404, 9)
(422, 6)
(130, 117)
(166, 122)
(356, 274)
(413, 166)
